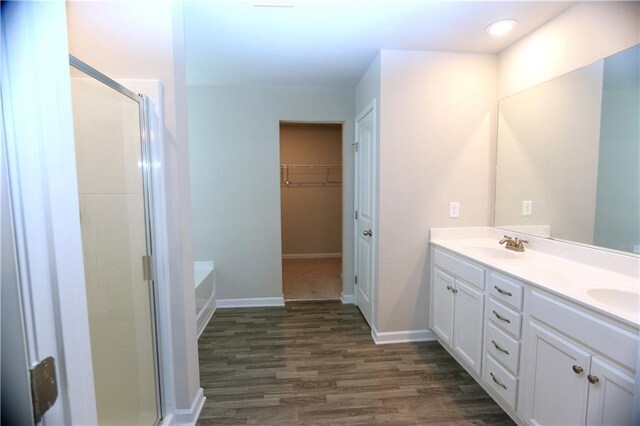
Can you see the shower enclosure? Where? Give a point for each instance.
(114, 186)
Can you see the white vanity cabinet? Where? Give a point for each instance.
(611, 397)
(580, 366)
(545, 358)
(503, 333)
(458, 307)
(558, 386)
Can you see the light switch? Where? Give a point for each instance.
(454, 209)
(527, 208)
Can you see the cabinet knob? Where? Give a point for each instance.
(577, 369)
(593, 379)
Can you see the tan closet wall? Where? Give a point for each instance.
(311, 214)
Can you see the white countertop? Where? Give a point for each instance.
(589, 283)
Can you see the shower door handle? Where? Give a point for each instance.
(147, 268)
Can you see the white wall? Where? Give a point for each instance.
(128, 40)
(437, 144)
(368, 87)
(583, 34)
(234, 144)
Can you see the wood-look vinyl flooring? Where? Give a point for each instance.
(311, 278)
(315, 363)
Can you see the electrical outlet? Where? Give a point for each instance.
(527, 208)
(454, 209)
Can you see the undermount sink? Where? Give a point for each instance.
(624, 300)
(494, 252)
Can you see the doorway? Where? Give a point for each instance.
(311, 210)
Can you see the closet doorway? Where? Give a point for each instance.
(311, 210)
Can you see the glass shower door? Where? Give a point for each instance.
(116, 240)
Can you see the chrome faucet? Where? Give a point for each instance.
(513, 243)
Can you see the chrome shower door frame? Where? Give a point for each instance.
(147, 185)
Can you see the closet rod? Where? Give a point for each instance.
(310, 165)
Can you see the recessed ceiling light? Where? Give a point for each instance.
(501, 27)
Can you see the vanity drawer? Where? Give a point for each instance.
(501, 381)
(503, 348)
(463, 269)
(505, 318)
(506, 290)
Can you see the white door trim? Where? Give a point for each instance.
(36, 97)
(370, 108)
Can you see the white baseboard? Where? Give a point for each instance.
(347, 299)
(208, 318)
(167, 420)
(406, 336)
(190, 416)
(311, 255)
(249, 302)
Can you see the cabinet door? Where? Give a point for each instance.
(557, 395)
(443, 306)
(611, 397)
(468, 324)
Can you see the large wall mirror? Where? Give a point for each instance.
(568, 161)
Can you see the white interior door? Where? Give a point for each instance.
(365, 208)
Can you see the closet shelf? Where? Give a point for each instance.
(310, 175)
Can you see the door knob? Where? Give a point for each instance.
(577, 369)
(592, 379)
(367, 233)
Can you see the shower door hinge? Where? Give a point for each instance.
(356, 214)
(147, 268)
(356, 279)
(44, 387)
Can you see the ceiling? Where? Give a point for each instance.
(332, 43)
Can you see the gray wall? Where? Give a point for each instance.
(437, 144)
(234, 146)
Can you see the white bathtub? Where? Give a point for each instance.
(204, 280)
